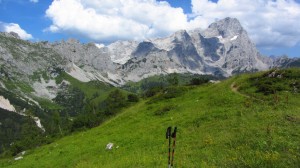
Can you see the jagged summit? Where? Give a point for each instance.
(223, 49)
(38, 78)
(10, 34)
(226, 27)
(181, 35)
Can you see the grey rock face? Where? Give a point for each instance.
(224, 48)
(121, 51)
(227, 27)
(185, 53)
(21, 59)
(144, 48)
(285, 62)
(84, 54)
(95, 63)
(10, 34)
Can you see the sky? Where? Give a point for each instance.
(273, 25)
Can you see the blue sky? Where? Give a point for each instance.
(272, 25)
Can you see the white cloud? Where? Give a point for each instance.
(111, 20)
(270, 23)
(13, 27)
(34, 1)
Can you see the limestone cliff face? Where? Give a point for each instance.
(226, 45)
(223, 49)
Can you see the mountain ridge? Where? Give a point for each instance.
(67, 80)
(223, 49)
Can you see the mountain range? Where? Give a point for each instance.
(33, 73)
(223, 49)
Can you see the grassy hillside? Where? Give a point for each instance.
(89, 88)
(229, 124)
(161, 81)
(78, 105)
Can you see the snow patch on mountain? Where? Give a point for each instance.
(221, 39)
(234, 38)
(5, 104)
(227, 39)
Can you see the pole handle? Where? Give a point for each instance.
(168, 133)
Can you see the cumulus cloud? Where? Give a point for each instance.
(115, 19)
(13, 27)
(34, 1)
(269, 23)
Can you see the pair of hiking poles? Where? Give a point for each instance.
(170, 135)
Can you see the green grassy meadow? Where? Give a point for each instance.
(228, 124)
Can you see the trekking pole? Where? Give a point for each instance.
(174, 141)
(168, 136)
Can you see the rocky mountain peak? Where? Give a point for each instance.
(227, 27)
(73, 41)
(223, 49)
(120, 51)
(181, 35)
(10, 34)
(143, 49)
(14, 34)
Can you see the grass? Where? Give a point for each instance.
(90, 88)
(163, 81)
(48, 104)
(217, 127)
